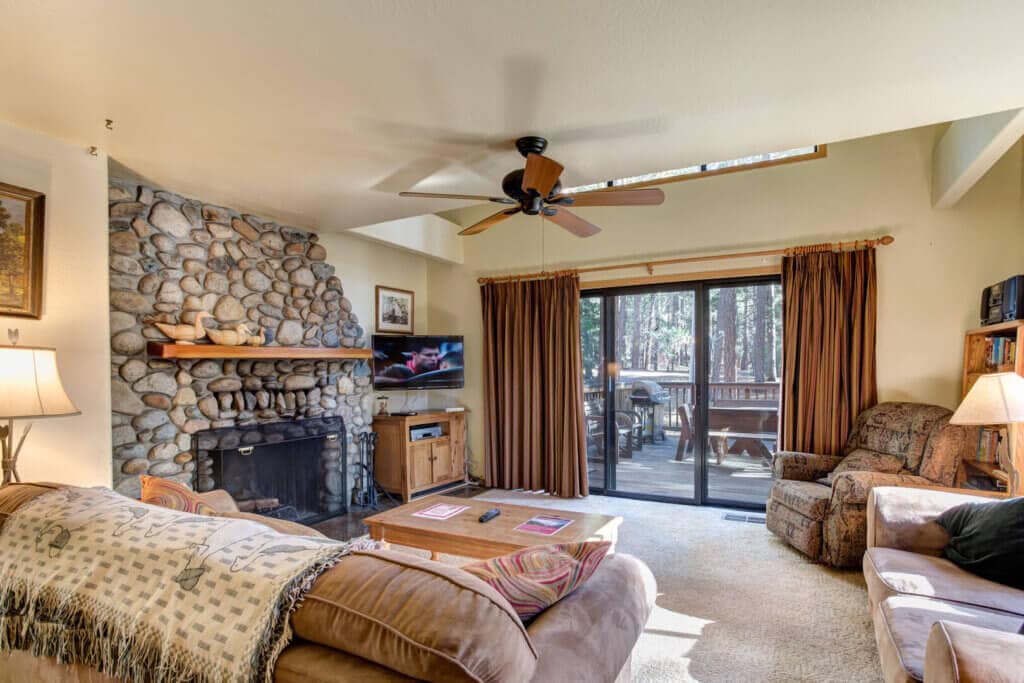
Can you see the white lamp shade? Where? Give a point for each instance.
(30, 384)
(994, 399)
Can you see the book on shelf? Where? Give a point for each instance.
(992, 445)
(1000, 351)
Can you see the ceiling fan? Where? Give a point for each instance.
(536, 189)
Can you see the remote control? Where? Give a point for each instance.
(489, 515)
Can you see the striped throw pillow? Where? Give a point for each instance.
(535, 578)
(174, 496)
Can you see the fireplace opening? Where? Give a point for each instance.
(284, 470)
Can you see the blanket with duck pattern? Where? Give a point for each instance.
(149, 594)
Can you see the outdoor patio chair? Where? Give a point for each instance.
(628, 426)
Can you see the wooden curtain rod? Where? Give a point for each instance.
(651, 265)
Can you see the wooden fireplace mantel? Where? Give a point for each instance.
(169, 350)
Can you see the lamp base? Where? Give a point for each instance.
(9, 454)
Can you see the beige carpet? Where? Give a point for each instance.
(734, 603)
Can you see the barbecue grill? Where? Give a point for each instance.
(649, 400)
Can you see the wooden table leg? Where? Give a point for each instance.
(377, 534)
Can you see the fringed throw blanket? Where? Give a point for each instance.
(143, 593)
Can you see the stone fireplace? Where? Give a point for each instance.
(172, 257)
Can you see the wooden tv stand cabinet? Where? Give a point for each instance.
(408, 467)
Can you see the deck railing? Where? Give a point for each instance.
(681, 393)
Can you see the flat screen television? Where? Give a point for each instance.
(417, 362)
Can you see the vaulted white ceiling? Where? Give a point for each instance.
(318, 112)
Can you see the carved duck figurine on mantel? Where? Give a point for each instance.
(182, 333)
(259, 339)
(236, 337)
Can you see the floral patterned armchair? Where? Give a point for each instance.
(817, 502)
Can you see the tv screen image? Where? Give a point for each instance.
(417, 362)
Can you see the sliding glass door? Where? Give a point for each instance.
(681, 390)
(744, 342)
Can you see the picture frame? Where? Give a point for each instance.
(395, 310)
(22, 217)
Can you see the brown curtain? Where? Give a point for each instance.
(533, 385)
(829, 299)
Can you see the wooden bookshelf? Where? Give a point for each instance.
(214, 351)
(978, 363)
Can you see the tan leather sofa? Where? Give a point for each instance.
(934, 622)
(435, 622)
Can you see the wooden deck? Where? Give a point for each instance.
(654, 470)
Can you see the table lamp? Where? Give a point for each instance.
(997, 399)
(30, 388)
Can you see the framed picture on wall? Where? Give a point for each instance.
(395, 310)
(21, 251)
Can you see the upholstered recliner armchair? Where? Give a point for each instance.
(817, 502)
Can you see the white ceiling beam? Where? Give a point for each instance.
(427, 235)
(968, 149)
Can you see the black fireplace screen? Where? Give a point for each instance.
(279, 469)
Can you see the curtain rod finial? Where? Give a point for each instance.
(887, 239)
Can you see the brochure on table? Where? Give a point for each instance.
(545, 525)
(441, 511)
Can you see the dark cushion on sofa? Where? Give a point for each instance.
(987, 539)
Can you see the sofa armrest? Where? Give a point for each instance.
(960, 653)
(282, 526)
(611, 609)
(904, 517)
(220, 500)
(802, 466)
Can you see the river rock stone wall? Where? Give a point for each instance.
(172, 257)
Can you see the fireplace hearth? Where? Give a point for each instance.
(279, 469)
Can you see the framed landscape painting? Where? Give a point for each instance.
(21, 251)
(395, 310)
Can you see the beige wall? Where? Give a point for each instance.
(363, 264)
(930, 279)
(75, 293)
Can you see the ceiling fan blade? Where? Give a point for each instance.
(434, 195)
(490, 221)
(651, 196)
(541, 174)
(571, 222)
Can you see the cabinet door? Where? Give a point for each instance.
(441, 454)
(420, 466)
(458, 435)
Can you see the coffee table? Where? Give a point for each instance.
(465, 536)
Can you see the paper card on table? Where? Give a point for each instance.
(545, 525)
(440, 511)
